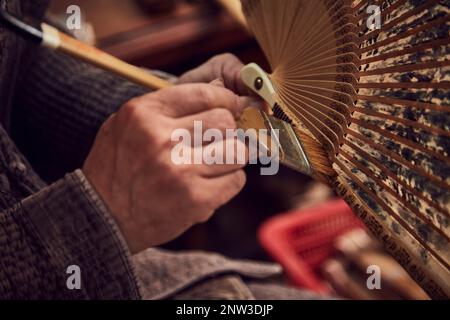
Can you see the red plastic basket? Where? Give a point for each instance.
(302, 240)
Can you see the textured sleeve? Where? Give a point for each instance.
(59, 105)
(63, 225)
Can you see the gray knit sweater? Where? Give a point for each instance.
(53, 106)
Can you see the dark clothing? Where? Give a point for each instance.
(52, 106)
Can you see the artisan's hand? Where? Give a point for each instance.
(225, 66)
(152, 199)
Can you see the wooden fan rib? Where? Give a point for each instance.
(300, 58)
(341, 119)
(358, 6)
(405, 85)
(398, 20)
(338, 119)
(391, 213)
(444, 158)
(334, 68)
(309, 12)
(384, 13)
(404, 103)
(426, 117)
(330, 44)
(331, 125)
(342, 92)
(432, 78)
(398, 243)
(336, 77)
(406, 205)
(435, 96)
(333, 54)
(406, 122)
(404, 68)
(333, 104)
(346, 58)
(317, 128)
(396, 179)
(335, 19)
(339, 91)
(309, 119)
(393, 155)
(336, 15)
(413, 49)
(309, 33)
(339, 87)
(405, 34)
(319, 115)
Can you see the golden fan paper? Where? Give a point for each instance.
(378, 102)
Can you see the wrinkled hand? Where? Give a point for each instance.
(225, 66)
(152, 199)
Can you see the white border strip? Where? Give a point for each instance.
(50, 37)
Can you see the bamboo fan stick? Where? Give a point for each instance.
(234, 8)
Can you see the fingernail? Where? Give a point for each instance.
(246, 102)
(218, 82)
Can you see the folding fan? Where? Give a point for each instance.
(377, 100)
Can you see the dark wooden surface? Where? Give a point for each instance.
(173, 41)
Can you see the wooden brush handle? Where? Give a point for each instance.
(73, 47)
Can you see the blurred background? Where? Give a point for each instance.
(287, 217)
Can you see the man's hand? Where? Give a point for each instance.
(152, 199)
(225, 66)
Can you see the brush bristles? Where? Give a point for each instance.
(317, 156)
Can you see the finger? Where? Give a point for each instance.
(231, 73)
(219, 119)
(223, 157)
(216, 192)
(226, 66)
(184, 100)
(203, 73)
(226, 187)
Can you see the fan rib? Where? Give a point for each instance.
(410, 50)
(399, 19)
(394, 215)
(393, 193)
(407, 142)
(405, 68)
(406, 34)
(384, 13)
(404, 103)
(394, 177)
(401, 160)
(407, 122)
